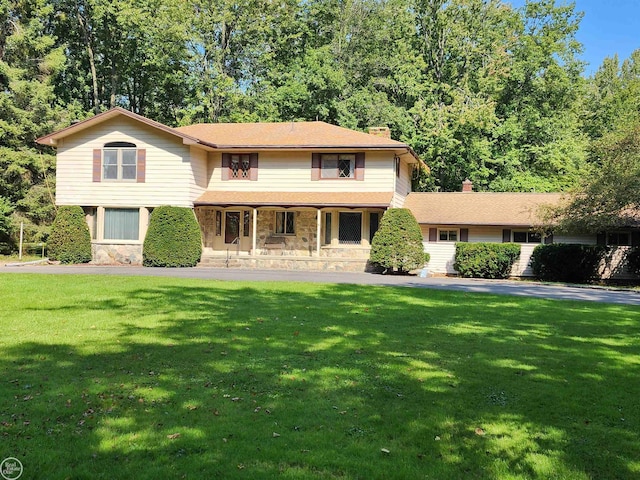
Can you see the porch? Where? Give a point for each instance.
(296, 235)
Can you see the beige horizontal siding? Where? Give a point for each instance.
(169, 175)
(198, 183)
(442, 257)
(403, 184)
(291, 172)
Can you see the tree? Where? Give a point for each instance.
(397, 245)
(610, 196)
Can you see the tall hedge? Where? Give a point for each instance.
(485, 260)
(397, 245)
(173, 238)
(566, 262)
(70, 240)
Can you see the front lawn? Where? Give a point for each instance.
(148, 378)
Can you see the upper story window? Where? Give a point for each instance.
(119, 161)
(239, 166)
(336, 166)
(527, 237)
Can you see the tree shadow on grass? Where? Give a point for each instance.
(201, 380)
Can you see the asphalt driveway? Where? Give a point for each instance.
(502, 287)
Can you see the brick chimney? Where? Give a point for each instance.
(467, 186)
(383, 132)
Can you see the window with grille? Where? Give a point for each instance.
(240, 166)
(327, 228)
(350, 228)
(119, 161)
(374, 223)
(337, 165)
(285, 223)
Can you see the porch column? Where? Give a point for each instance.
(318, 231)
(254, 242)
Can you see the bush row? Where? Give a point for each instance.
(564, 262)
(485, 260)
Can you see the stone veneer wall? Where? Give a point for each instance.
(116, 254)
(302, 243)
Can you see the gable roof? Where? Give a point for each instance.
(52, 138)
(479, 208)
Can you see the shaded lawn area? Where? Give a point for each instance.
(114, 377)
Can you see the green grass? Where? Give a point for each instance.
(118, 378)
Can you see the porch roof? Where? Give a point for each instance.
(296, 199)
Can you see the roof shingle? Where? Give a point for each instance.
(479, 208)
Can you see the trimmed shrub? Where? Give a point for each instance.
(173, 238)
(566, 262)
(70, 240)
(485, 260)
(633, 260)
(397, 245)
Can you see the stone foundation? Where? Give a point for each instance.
(116, 254)
(271, 262)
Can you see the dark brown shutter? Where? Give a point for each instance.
(433, 234)
(359, 173)
(97, 164)
(141, 169)
(253, 167)
(506, 235)
(635, 238)
(226, 165)
(601, 238)
(548, 239)
(464, 234)
(315, 166)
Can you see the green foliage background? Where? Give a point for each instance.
(397, 245)
(70, 240)
(485, 260)
(173, 238)
(480, 89)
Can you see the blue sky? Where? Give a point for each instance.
(607, 27)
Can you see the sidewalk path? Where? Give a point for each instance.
(501, 287)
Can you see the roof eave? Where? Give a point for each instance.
(52, 138)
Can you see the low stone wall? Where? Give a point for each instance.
(116, 254)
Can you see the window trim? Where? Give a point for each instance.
(448, 230)
(139, 163)
(529, 234)
(249, 174)
(357, 170)
(106, 239)
(286, 213)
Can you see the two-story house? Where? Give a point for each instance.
(310, 191)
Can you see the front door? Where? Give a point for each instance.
(231, 227)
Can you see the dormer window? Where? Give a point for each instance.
(119, 161)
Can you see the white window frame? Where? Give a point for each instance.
(120, 164)
(448, 232)
(528, 233)
(285, 214)
(329, 172)
(104, 225)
